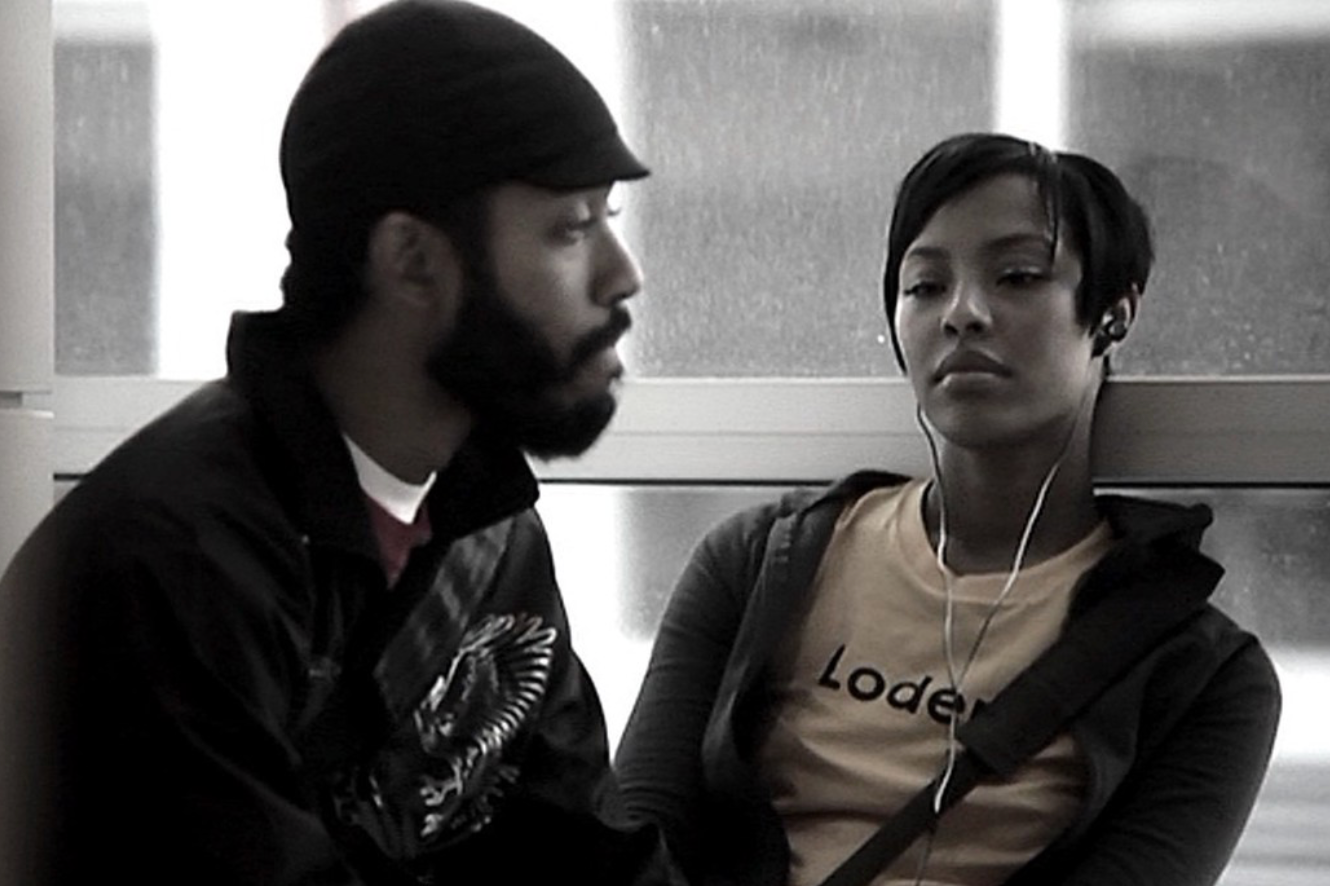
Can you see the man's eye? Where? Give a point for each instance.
(579, 226)
(575, 229)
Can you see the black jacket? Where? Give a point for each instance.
(1176, 749)
(207, 679)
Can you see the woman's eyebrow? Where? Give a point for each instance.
(925, 252)
(1001, 243)
(1025, 238)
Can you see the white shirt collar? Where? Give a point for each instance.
(393, 494)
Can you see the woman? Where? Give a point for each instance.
(828, 657)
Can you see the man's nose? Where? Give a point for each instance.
(619, 276)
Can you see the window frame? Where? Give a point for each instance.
(1152, 431)
(1266, 431)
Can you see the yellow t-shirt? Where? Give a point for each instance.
(863, 700)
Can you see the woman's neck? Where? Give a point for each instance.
(988, 507)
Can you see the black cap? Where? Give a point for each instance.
(423, 100)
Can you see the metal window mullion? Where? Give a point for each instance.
(1156, 431)
(27, 334)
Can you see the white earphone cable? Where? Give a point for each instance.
(954, 678)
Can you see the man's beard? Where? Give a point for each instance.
(506, 373)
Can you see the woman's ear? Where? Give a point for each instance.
(1128, 304)
(1116, 322)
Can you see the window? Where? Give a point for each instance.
(777, 130)
(170, 213)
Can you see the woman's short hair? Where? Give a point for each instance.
(1083, 198)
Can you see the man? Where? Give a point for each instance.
(303, 628)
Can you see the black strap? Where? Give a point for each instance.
(903, 828)
(1094, 651)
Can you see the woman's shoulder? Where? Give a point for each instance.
(740, 540)
(757, 519)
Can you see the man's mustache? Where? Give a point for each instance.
(602, 338)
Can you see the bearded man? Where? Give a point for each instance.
(304, 627)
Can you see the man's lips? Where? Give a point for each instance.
(970, 361)
(597, 349)
(604, 338)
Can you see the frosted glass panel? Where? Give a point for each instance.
(777, 130)
(106, 219)
(1222, 133)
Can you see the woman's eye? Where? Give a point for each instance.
(922, 289)
(1022, 276)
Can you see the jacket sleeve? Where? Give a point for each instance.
(158, 677)
(660, 755)
(1178, 814)
(567, 814)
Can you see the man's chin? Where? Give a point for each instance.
(565, 432)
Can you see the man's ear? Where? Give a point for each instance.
(409, 259)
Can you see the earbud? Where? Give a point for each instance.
(1110, 332)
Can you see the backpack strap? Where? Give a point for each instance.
(1119, 629)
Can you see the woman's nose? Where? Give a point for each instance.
(967, 310)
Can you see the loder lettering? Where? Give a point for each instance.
(867, 683)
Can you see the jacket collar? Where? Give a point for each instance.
(1146, 530)
(1157, 539)
(311, 467)
(1147, 521)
